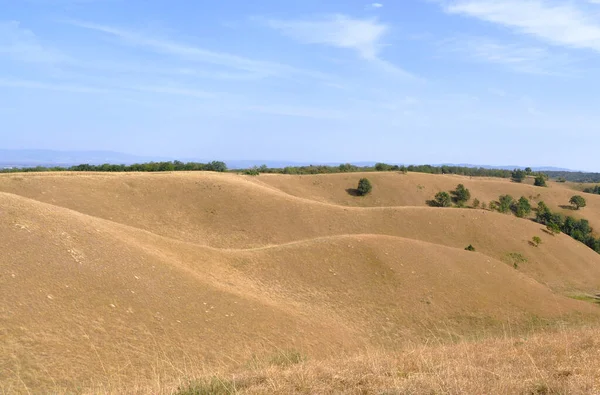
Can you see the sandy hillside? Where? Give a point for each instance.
(131, 278)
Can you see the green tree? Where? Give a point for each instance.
(442, 199)
(540, 181)
(522, 207)
(217, 166)
(506, 202)
(518, 175)
(461, 195)
(364, 187)
(578, 201)
(528, 170)
(553, 228)
(476, 203)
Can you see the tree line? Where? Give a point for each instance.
(136, 167)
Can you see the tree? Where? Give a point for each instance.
(442, 199)
(518, 175)
(505, 203)
(217, 166)
(540, 181)
(543, 214)
(461, 195)
(578, 201)
(536, 241)
(528, 170)
(364, 187)
(476, 203)
(522, 208)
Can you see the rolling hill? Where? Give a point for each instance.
(140, 281)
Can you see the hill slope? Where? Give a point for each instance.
(133, 278)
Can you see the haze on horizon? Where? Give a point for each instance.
(422, 81)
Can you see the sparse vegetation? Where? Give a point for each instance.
(578, 201)
(540, 181)
(470, 248)
(536, 240)
(364, 187)
(515, 259)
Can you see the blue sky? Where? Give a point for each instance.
(411, 81)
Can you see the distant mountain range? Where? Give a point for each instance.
(37, 157)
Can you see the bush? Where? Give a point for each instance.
(578, 202)
(522, 207)
(470, 248)
(364, 187)
(536, 241)
(553, 228)
(540, 181)
(506, 202)
(442, 199)
(518, 175)
(476, 203)
(461, 195)
(251, 172)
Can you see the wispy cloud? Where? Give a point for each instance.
(23, 45)
(196, 54)
(361, 35)
(375, 6)
(61, 87)
(513, 56)
(568, 24)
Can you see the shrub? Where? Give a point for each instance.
(518, 175)
(442, 199)
(553, 228)
(461, 195)
(578, 202)
(476, 203)
(540, 181)
(251, 172)
(505, 203)
(522, 207)
(470, 248)
(364, 187)
(536, 241)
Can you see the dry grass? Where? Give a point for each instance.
(135, 283)
(551, 363)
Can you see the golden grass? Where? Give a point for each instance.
(135, 283)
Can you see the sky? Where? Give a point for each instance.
(497, 82)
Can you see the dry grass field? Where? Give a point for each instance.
(223, 283)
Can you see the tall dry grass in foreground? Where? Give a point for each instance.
(560, 362)
(566, 362)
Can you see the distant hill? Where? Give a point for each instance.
(42, 157)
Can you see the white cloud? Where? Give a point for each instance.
(565, 24)
(192, 53)
(361, 35)
(514, 56)
(26, 84)
(375, 5)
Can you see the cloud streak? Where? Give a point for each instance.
(364, 36)
(196, 54)
(513, 56)
(565, 24)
